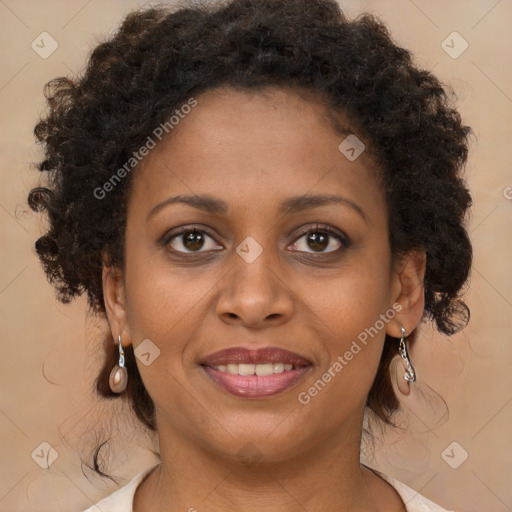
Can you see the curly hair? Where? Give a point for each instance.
(161, 57)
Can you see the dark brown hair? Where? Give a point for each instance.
(160, 57)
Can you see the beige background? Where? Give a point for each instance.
(49, 353)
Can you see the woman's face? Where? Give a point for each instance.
(285, 261)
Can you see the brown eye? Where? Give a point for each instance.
(191, 240)
(320, 240)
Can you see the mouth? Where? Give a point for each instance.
(255, 373)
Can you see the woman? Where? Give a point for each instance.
(264, 199)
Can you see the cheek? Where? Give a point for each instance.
(354, 311)
(355, 299)
(355, 315)
(158, 297)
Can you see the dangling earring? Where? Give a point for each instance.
(410, 374)
(118, 379)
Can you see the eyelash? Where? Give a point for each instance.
(318, 228)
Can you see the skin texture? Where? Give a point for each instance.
(254, 150)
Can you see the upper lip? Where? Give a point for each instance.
(242, 355)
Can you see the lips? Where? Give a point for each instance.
(255, 373)
(239, 355)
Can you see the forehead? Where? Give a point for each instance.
(271, 118)
(255, 145)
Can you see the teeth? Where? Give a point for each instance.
(232, 368)
(246, 369)
(264, 369)
(254, 369)
(278, 367)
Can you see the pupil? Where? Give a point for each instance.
(317, 241)
(193, 240)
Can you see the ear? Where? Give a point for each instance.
(409, 292)
(115, 303)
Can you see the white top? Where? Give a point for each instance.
(122, 499)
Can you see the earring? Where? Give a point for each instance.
(410, 374)
(118, 379)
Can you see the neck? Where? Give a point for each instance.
(327, 477)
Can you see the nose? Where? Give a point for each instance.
(256, 294)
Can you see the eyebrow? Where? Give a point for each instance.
(288, 206)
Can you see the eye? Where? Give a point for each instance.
(320, 240)
(192, 240)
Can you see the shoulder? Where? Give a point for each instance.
(122, 499)
(414, 501)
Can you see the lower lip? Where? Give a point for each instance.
(254, 386)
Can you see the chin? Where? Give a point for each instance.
(268, 441)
